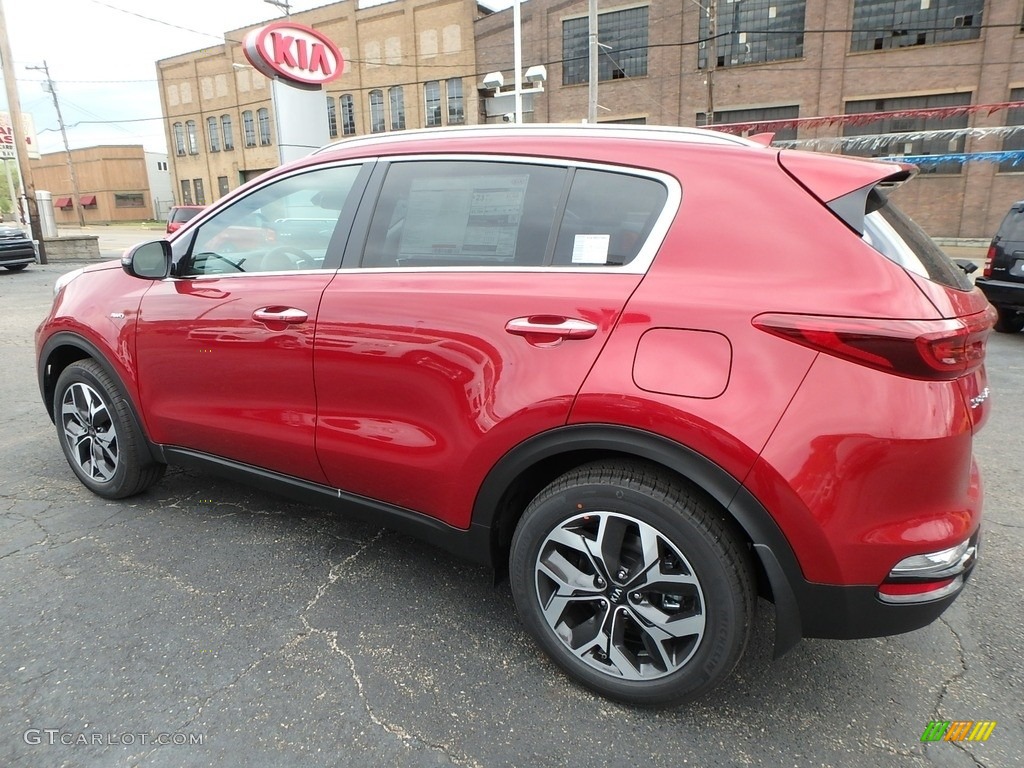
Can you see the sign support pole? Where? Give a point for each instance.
(17, 128)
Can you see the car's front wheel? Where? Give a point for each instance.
(633, 583)
(15, 267)
(98, 435)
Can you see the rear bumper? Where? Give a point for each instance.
(841, 612)
(1001, 293)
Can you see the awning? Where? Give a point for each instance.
(86, 200)
(62, 202)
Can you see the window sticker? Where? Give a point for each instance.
(471, 216)
(590, 249)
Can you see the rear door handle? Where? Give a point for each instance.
(280, 315)
(551, 325)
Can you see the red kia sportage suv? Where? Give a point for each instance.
(651, 372)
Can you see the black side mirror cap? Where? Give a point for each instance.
(149, 261)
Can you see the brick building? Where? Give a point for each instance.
(785, 59)
(115, 183)
(415, 63)
(408, 64)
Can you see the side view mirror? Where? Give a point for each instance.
(150, 261)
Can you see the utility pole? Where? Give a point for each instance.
(592, 82)
(711, 52)
(76, 200)
(18, 131)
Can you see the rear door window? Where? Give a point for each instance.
(463, 213)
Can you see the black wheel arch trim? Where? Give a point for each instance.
(90, 350)
(770, 544)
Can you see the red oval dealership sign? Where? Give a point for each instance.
(293, 52)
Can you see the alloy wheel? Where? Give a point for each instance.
(620, 596)
(89, 431)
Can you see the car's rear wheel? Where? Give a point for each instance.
(1010, 321)
(15, 267)
(633, 583)
(98, 435)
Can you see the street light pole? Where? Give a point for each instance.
(18, 131)
(517, 54)
(77, 200)
(593, 52)
(711, 49)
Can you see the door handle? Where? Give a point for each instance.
(551, 325)
(280, 315)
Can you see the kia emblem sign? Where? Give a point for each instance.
(294, 53)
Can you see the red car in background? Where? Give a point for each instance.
(180, 215)
(649, 373)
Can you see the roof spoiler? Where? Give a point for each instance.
(843, 184)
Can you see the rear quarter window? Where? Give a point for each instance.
(895, 235)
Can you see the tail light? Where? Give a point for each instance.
(939, 350)
(989, 257)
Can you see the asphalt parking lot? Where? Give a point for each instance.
(204, 624)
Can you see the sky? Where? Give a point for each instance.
(102, 58)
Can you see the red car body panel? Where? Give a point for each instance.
(215, 379)
(104, 313)
(417, 377)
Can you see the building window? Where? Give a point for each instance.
(1014, 142)
(193, 139)
(754, 32)
(756, 116)
(456, 103)
(222, 185)
(212, 129)
(432, 98)
(332, 118)
(397, 100)
(377, 124)
(348, 114)
(249, 128)
(263, 115)
(882, 24)
(229, 137)
(894, 145)
(625, 32)
(186, 192)
(179, 139)
(129, 200)
(200, 194)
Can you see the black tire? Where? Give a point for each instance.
(657, 638)
(100, 439)
(15, 267)
(1010, 321)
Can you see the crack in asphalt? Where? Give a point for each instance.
(1004, 525)
(958, 675)
(205, 701)
(408, 739)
